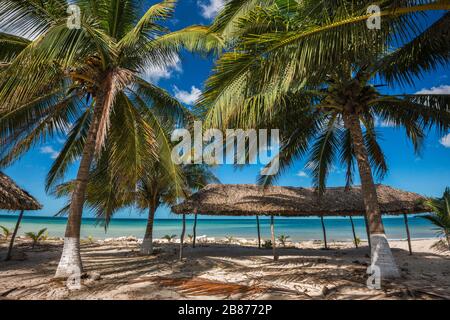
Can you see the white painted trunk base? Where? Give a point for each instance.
(147, 246)
(382, 257)
(70, 263)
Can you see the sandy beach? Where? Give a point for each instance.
(114, 269)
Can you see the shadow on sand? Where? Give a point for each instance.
(220, 271)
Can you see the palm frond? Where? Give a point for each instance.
(11, 46)
(424, 53)
(147, 26)
(21, 137)
(323, 152)
(233, 11)
(71, 150)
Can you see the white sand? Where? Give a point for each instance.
(223, 271)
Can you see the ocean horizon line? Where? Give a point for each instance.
(201, 217)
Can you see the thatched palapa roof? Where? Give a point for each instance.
(14, 198)
(246, 200)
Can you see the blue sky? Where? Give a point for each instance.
(427, 173)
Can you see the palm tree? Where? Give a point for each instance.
(283, 239)
(36, 237)
(108, 192)
(169, 237)
(5, 232)
(441, 214)
(156, 188)
(55, 79)
(282, 72)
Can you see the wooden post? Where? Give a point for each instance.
(368, 232)
(259, 232)
(195, 229)
(324, 232)
(182, 236)
(11, 243)
(354, 233)
(407, 234)
(272, 230)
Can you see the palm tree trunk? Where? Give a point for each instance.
(259, 232)
(70, 262)
(366, 222)
(147, 242)
(381, 252)
(183, 231)
(195, 229)
(11, 243)
(272, 231)
(354, 233)
(324, 232)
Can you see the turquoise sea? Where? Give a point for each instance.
(297, 228)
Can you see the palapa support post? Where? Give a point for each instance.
(195, 228)
(259, 232)
(11, 243)
(272, 230)
(405, 216)
(182, 236)
(324, 232)
(354, 233)
(368, 232)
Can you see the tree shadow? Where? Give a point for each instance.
(242, 273)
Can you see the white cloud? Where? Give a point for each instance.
(154, 74)
(445, 141)
(187, 97)
(444, 89)
(210, 8)
(49, 150)
(302, 174)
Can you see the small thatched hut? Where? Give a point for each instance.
(13, 198)
(253, 200)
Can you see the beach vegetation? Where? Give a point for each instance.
(229, 239)
(267, 244)
(357, 241)
(170, 238)
(440, 217)
(36, 237)
(6, 232)
(283, 239)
